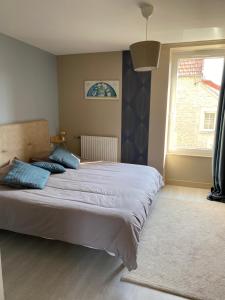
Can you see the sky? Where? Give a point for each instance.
(213, 69)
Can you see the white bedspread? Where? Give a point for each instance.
(101, 205)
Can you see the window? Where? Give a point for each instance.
(194, 93)
(209, 121)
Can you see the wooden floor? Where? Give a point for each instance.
(39, 269)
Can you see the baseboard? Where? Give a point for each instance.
(203, 185)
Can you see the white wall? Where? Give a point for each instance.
(28, 83)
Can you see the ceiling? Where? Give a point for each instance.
(81, 26)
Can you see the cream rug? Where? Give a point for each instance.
(182, 250)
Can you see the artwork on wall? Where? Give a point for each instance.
(101, 89)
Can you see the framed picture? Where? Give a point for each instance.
(101, 89)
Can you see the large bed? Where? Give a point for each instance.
(101, 205)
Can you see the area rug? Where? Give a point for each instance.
(182, 250)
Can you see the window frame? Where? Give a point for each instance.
(202, 120)
(175, 55)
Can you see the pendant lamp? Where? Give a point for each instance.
(145, 54)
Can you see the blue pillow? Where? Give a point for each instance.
(65, 158)
(49, 166)
(22, 174)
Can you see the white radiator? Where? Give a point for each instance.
(99, 148)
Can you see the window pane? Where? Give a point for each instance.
(209, 121)
(196, 89)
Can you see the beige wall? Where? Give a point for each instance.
(92, 117)
(191, 171)
(158, 111)
(177, 169)
(99, 117)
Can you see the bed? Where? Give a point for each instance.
(102, 205)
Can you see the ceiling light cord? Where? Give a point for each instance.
(146, 35)
(145, 54)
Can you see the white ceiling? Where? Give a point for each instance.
(79, 26)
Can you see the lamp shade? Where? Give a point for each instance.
(145, 55)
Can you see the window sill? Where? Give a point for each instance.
(207, 155)
(207, 131)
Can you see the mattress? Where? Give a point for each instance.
(101, 205)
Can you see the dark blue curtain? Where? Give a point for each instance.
(218, 189)
(135, 113)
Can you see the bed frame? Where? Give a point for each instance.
(71, 208)
(23, 140)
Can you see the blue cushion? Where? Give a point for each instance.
(49, 166)
(22, 174)
(65, 158)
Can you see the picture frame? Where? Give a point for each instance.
(101, 89)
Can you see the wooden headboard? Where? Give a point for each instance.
(23, 140)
